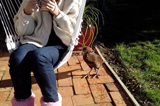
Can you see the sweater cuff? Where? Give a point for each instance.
(61, 14)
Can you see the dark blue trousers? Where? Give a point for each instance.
(41, 61)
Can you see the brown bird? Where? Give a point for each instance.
(92, 59)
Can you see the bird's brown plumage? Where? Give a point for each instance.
(92, 59)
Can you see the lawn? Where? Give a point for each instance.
(142, 60)
(134, 38)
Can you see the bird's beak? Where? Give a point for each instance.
(80, 48)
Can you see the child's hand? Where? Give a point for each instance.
(31, 6)
(51, 6)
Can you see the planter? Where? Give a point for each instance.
(86, 38)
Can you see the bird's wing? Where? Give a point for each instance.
(94, 59)
(91, 56)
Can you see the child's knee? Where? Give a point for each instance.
(15, 59)
(37, 58)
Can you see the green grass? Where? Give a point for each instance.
(144, 57)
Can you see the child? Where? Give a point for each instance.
(44, 37)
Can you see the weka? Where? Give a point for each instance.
(92, 59)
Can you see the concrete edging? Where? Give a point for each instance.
(133, 100)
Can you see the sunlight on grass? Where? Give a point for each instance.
(144, 57)
(150, 31)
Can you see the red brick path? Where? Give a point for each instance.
(75, 90)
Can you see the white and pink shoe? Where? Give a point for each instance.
(58, 103)
(27, 102)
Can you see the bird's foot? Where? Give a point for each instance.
(86, 76)
(96, 75)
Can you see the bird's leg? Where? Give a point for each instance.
(96, 73)
(88, 74)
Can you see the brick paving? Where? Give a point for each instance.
(75, 90)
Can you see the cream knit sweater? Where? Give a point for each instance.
(36, 28)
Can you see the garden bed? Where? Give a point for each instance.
(130, 44)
